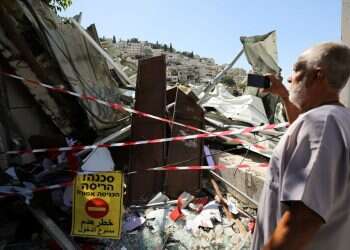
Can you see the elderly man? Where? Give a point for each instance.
(306, 200)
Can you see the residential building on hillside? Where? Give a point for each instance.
(182, 67)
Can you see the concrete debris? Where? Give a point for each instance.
(208, 229)
(158, 219)
(160, 197)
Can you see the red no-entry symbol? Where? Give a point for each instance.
(96, 208)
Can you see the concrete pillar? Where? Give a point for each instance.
(345, 37)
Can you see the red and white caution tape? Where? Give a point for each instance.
(193, 167)
(55, 186)
(116, 106)
(30, 191)
(213, 167)
(153, 141)
(13, 191)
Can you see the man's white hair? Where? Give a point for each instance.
(334, 59)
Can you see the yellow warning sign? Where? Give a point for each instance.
(97, 205)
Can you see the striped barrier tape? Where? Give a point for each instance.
(39, 189)
(153, 141)
(213, 167)
(118, 106)
(165, 168)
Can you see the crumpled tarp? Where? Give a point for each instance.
(261, 52)
(245, 108)
(83, 67)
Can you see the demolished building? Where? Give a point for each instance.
(59, 94)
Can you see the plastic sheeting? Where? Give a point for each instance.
(245, 108)
(83, 67)
(99, 160)
(261, 52)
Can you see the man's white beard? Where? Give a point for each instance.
(298, 93)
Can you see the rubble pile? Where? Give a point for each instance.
(199, 225)
(190, 159)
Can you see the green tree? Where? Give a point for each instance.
(191, 55)
(114, 39)
(134, 40)
(156, 45)
(59, 5)
(171, 48)
(239, 75)
(185, 53)
(228, 80)
(165, 47)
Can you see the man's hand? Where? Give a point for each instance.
(295, 229)
(277, 87)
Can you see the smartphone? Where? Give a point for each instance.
(258, 81)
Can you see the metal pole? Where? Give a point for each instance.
(153, 204)
(218, 77)
(120, 72)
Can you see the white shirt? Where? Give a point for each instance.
(311, 164)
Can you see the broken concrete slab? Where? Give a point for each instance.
(250, 179)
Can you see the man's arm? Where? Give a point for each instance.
(291, 110)
(295, 229)
(277, 88)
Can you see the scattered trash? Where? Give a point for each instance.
(157, 219)
(232, 206)
(98, 160)
(209, 215)
(198, 203)
(132, 221)
(185, 198)
(11, 171)
(177, 212)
